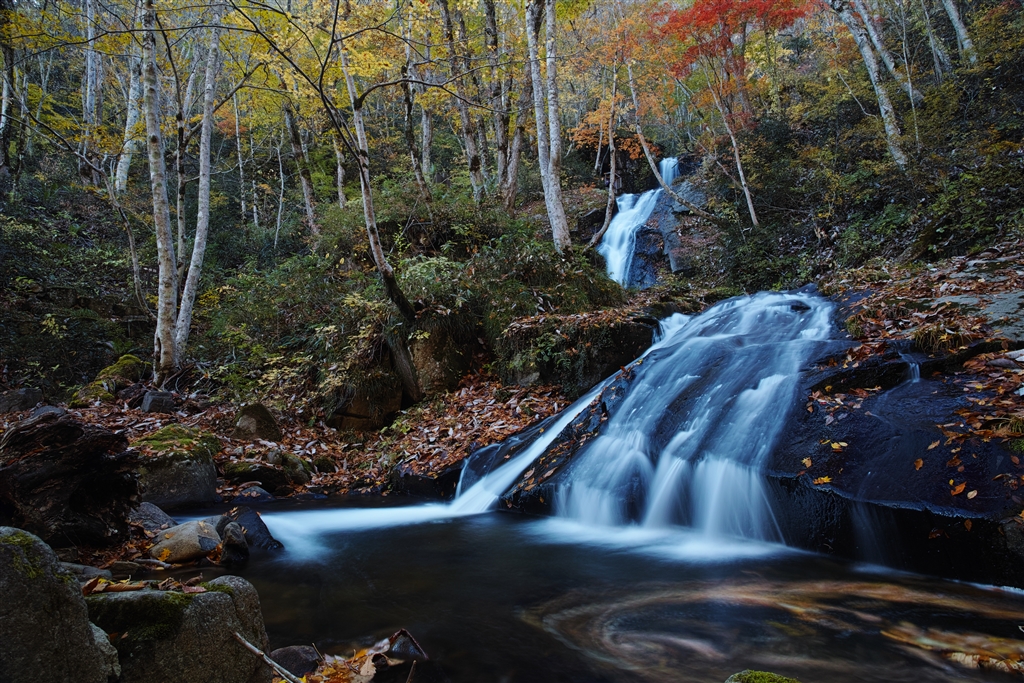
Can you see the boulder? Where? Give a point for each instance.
(257, 535)
(253, 494)
(363, 413)
(151, 518)
(157, 402)
(233, 546)
(44, 624)
(750, 676)
(84, 572)
(254, 421)
(126, 371)
(176, 467)
(298, 659)
(440, 360)
(185, 638)
(16, 400)
(66, 481)
(47, 410)
(404, 480)
(270, 477)
(186, 542)
(296, 468)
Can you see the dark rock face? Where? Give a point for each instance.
(440, 361)
(252, 495)
(360, 413)
(298, 659)
(66, 481)
(158, 402)
(186, 638)
(257, 535)
(270, 477)
(17, 400)
(254, 421)
(442, 485)
(179, 472)
(44, 624)
(151, 518)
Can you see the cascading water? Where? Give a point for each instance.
(618, 243)
(686, 446)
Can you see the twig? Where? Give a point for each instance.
(282, 672)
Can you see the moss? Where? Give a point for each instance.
(749, 676)
(128, 369)
(99, 390)
(176, 443)
(141, 617)
(238, 469)
(218, 588)
(29, 561)
(1016, 445)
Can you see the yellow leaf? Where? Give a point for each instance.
(806, 462)
(837, 447)
(918, 464)
(823, 480)
(934, 444)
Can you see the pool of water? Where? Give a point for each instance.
(499, 597)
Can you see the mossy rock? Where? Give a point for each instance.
(272, 478)
(127, 370)
(177, 467)
(100, 390)
(750, 676)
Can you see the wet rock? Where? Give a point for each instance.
(123, 569)
(298, 659)
(254, 421)
(157, 402)
(435, 485)
(44, 624)
(16, 400)
(67, 481)
(177, 467)
(270, 477)
(253, 495)
(47, 410)
(234, 549)
(185, 638)
(185, 542)
(151, 518)
(257, 535)
(112, 664)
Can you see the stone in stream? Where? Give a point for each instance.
(183, 637)
(44, 624)
(186, 542)
(151, 518)
(66, 481)
(176, 470)
(257, 535)
(298, 659)
(234, 548)
(254, 421)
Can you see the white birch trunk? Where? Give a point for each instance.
(339, 158)
(131, 139)
(963, 38)
(469, 138)
(883, 52)
(241, 159)
(559, 223)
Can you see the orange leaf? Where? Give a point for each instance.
(918, 464)
(806, 462)
(968, 524)
(823, 480)
(957, 490)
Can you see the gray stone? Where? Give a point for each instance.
(257, 535)
(44, 624)
(254, 421)
(234, 549)
(47, 410)
(186, 638)
(253, 494)
(158, 402)
(151, 518)
(298, 659)
(109, 652)
(181, 472)
(86, 573)
(122, 569)
(17, 400)
(186, 542)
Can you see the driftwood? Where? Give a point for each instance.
(281, 671)
(67, 482)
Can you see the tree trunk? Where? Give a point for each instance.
(305, 179)
(883, 52)
(552, 184)
(559, 226)
(195, 268)
(165, 353)
(940, 58)
(410, 134)
(131, 140)
(963, 38)
(498, 98)
(90, 106)
(339, 158)
(610, 205)
(241, 159)
(469, 139)
(885, 108)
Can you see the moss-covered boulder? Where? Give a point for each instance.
(186, 638)
(176, 467)
(126, 371)
(255, 421)
(44, 624)
(270, 477)
(750, 676)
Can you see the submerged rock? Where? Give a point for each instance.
(177, 468)
(44, 624)
(185, 638)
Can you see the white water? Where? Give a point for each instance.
(687, 445)
(618, 243)
(677, 468)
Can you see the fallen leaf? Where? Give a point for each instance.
(806, 462)
(958, 489)
(193, 589)
(823, 480)
(933, 445)
(972, 494)
(918, 464)
(968, 524)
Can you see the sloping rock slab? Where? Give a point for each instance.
(185, 638)
(66, 481)
(440, 485)
(44, 625)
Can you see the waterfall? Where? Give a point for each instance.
(688, 443)
(633, 211)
